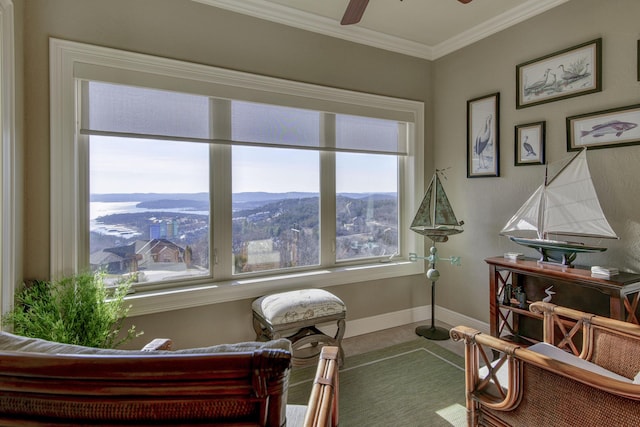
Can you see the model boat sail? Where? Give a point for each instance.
(565, 205)
(435, 217)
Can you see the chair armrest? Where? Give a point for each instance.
(158, 344)
(515, 356)
(322, 409)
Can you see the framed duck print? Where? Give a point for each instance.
(564, 74)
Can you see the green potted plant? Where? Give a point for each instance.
(78, 309)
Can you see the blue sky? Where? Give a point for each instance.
(120, 165)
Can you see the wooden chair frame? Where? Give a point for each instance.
(245, 388)
(322, 410)
(492, 402)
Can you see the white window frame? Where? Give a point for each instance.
(9, 250)
(70, 61)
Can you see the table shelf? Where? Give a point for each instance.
(617, 297)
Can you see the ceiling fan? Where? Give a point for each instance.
(355, 10)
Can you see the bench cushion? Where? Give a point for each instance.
(296, 306)
(11, 342)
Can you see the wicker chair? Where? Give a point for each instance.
(44, 383)
(582, 375)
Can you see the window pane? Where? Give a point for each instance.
(149, 208)
(366, 205)
(275, 208)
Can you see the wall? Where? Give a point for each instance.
(191, 31)
(485, 204)
(185, 30)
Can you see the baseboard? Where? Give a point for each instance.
(454, 319)
(403, 317)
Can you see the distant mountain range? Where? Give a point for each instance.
(146, 197)
(238, 198)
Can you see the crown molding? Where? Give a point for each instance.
(494, 25)
(307, 21)
(318, 24)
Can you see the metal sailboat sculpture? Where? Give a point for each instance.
(566, 204)
(435, 217)
(436, 220)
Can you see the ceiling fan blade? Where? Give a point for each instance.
(354, 12)
(464, 1)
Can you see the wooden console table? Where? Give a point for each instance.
(617, 297)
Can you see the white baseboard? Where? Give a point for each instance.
(454, 319)
(403, 317)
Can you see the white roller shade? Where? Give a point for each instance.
(141, 112)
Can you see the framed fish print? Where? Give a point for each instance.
(483, 139)
(529, 144)
(564, 74)
(603, 129)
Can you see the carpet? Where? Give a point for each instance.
(417, 383)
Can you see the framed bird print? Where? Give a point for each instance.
(569, 72)
(483, 124)
(529, 144)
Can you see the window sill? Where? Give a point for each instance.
(150, 302)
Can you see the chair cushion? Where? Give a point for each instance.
(556, 354)
(570, 359)
(294, 306)
(296, 414)
(11, 342)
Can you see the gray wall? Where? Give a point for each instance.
(190, 31)
(487, 203)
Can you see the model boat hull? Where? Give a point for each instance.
(563, 253)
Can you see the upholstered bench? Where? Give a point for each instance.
(295, 315)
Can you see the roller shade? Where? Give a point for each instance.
(141, 112)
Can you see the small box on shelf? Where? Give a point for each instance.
(513, 255)
(603, 272)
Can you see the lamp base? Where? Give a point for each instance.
(433, 332)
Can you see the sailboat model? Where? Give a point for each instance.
(435, 217)
(565, 205)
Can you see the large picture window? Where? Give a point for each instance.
(202, 183)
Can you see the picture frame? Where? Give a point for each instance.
(483, 136)
(570, 72)
(603, 129)
(529, 144)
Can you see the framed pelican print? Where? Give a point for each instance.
(483, 139)
(529, 144)
(570, 72)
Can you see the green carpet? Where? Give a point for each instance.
(413, 384)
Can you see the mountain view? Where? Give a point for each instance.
(170, 232)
